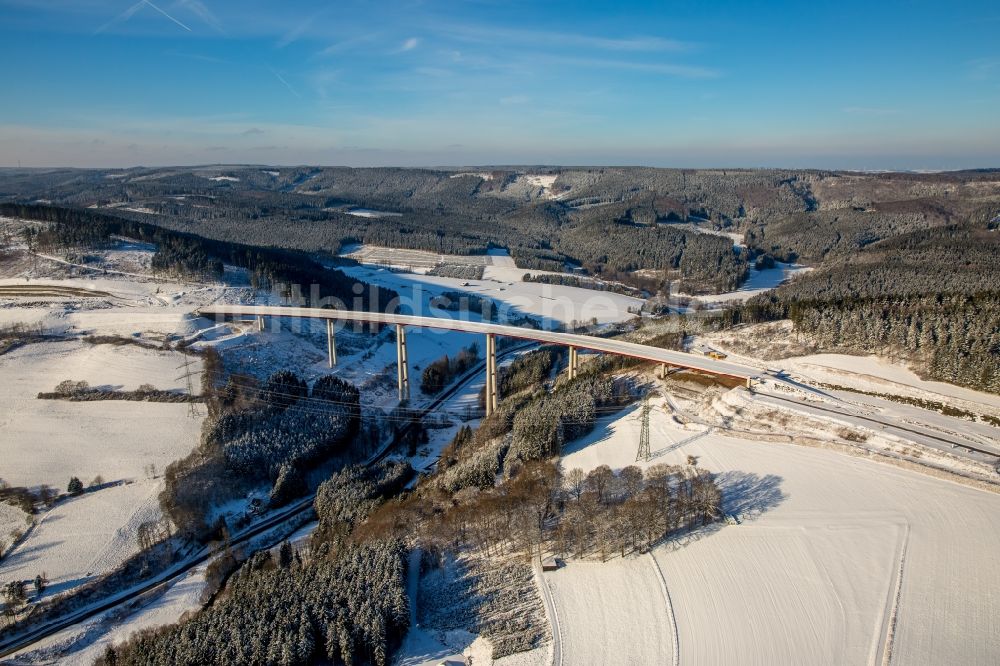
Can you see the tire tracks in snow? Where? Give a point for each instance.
(674, 634)
(550, 611)
(888, 633)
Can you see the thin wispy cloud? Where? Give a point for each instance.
(121, 18)
(198, 56)
(167, 15)
(199, 9)
(481, 34)
(981, 69)
(514, 99)
(323, 81)
(436, 72)
(295, 33)
(348, 44)
(666, 69)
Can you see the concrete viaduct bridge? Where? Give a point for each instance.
(575, 342)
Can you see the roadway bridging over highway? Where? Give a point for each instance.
(574, 341)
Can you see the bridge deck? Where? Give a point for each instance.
(619, 347)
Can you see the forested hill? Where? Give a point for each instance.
(635, 225)
(608, 221)
(190, 255)
(931, 296)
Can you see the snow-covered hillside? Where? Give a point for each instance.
(85, 536)
(48, 441)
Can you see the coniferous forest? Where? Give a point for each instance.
(931, 297)
(343, 601)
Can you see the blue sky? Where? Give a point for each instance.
(867, 85)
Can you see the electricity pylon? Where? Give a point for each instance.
(643, 453)
(187, 376)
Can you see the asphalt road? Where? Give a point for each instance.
(886, 425)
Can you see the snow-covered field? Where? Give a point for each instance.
(835, 560)
(84, 536)
(553, 304)
(622, 602)
(757, 282)
(415, 260)
(368, 212)
(48, 441)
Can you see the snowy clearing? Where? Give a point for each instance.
(757, 282)
(736, 237)
(474, 174)
(544, 181)
(409, 259)
(809, 573)
(85, 536)
(554, 304)
(370, 212)
(48, 441)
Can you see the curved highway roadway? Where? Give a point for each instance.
(609, 346)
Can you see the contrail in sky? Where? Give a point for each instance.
(285, 83)
(167, 15)
(130, 12)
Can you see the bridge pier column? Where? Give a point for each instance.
(260, 324)
(663, 371)
(402, 368)
(573, 362)
(492, 397)
(331, 345)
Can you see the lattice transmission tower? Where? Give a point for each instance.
(643, 452)
(188, 377)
